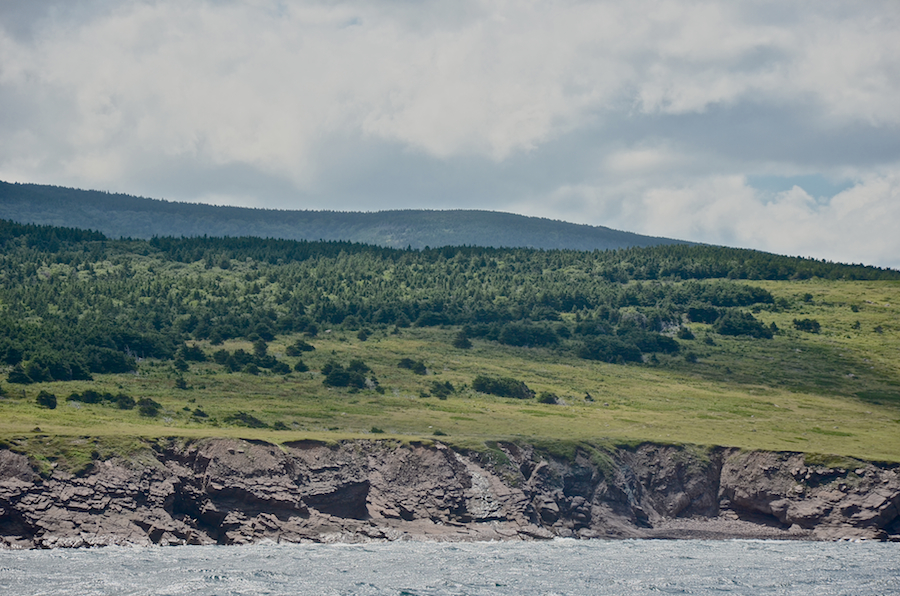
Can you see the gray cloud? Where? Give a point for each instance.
(665, 117)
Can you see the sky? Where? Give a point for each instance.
(772, 125)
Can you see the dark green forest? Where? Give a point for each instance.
(120, 215)
(74, 303)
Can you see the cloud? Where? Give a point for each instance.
(596, 109)
(857, 225)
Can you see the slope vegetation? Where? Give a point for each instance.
(284, 340)
(118, 215)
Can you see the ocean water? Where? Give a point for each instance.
(560, 567)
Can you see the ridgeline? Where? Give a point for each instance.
(120, 215)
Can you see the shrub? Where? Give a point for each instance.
(298, 347)
(352, 376)
(525, 335)
(442, 390)
(192, 354)
(547, 398)
(502, 386)
(702, 314)
(741, 323)
(280, 368)
(301, 366)
(124, 402)
(808, 325)
(245, 419)
(685, 333)
(358, 366)
(260, 348)
(462, 341)
(107, 361)
(148, 407)
(88, 396)
(18, 375)
(45, 399)
(416, 366)
(609, 349)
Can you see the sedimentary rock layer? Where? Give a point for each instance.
(223, 491)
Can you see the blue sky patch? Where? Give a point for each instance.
(815, 185)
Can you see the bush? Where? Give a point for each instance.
(338, 376)
(502, 386)
(88, 396)
(442, 390)
(462, 341)
(741, 323)
(609, 349)
(280, 368)
(524, 335)
(192, 354)
(148, 407)
(685, 333)
(45, 399)
(18, 375)
(301, 366)
(298, 347)
(808, 325)
(245, 419)
(124, 402)
(702, 314)
(547, 398)
(416, 366)
(107, 361)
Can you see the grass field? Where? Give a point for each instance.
(832, 392)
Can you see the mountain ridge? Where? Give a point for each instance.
(122, 215)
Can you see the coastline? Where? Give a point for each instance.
(226, 491)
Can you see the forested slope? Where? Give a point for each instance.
(217, 336)
(119, 215)
(75, 303)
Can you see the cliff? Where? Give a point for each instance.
(223, 491)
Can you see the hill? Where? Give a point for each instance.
(120, 215)
(225, 336)
(233, 390)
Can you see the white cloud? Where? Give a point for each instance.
(644, 115)
(858, 225)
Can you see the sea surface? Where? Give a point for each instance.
(560, 567)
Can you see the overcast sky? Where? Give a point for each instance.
(770, 125)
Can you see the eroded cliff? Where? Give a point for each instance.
(232, 492)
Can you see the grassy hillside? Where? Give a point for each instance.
(118, 215)
(206, 333)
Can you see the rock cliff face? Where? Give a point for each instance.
(234, 492)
